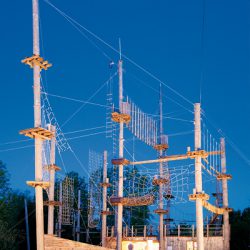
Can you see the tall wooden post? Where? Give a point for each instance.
(38, 132)
(226, 242)
(104, 200)
(198, 178)
(161, 229)
(60, 212)
(37, 123)
(52, 170)
(78, 228)
(120, 173)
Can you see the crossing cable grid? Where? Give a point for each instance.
(230, 142)
(156, 90)
(68, 138)
(117, 51)
(138, 182)
(89, 99)
(88, 174)
(202, 47)
(105, 106)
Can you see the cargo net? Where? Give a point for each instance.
(46, 159)
(95, 174)
(143, 185)
(67, 200)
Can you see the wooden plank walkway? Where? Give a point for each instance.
(56, 243)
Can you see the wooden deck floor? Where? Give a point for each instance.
(55, 243)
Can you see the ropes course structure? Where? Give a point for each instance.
(157, 183)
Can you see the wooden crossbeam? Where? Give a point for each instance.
(189, 155)
(38, 132)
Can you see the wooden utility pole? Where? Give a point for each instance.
(78, 228)
(120, 172)
(104, 200)
(161, 229)
(37, 123)
(226, 226)
(60, 212)
(198, 178)
(38, 133)
(27, 224)
(52, 168)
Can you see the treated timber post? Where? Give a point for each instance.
(161, 234)
(198, 178)
(37, 123)
(52, 182)
(120, 181)
(60, 211)
(78, 227)
(226, 229)
(104, 200)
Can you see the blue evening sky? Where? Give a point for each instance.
(163, 37)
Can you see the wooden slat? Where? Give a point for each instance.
(43, 184)
(37, 132)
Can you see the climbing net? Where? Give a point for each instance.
(95, 173)
(138, 183)
(64, 192)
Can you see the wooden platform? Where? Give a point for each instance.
(202, 196)
(120, 161)
(118, 117)
(43, 184)
(133, 201)
(52, 166)
(160, 211)
(54, 203)
(37, 132)
(158, 181)
(37, 60)
(56, 243)
(161, 146)
(224, 177)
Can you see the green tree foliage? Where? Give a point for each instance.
(240, 229)
(12, 224)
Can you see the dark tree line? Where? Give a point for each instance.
(12, 220)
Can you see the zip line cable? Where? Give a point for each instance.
(202, 46)
(230, 142)
(89, 99)
(157, 91)
(117, 51)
